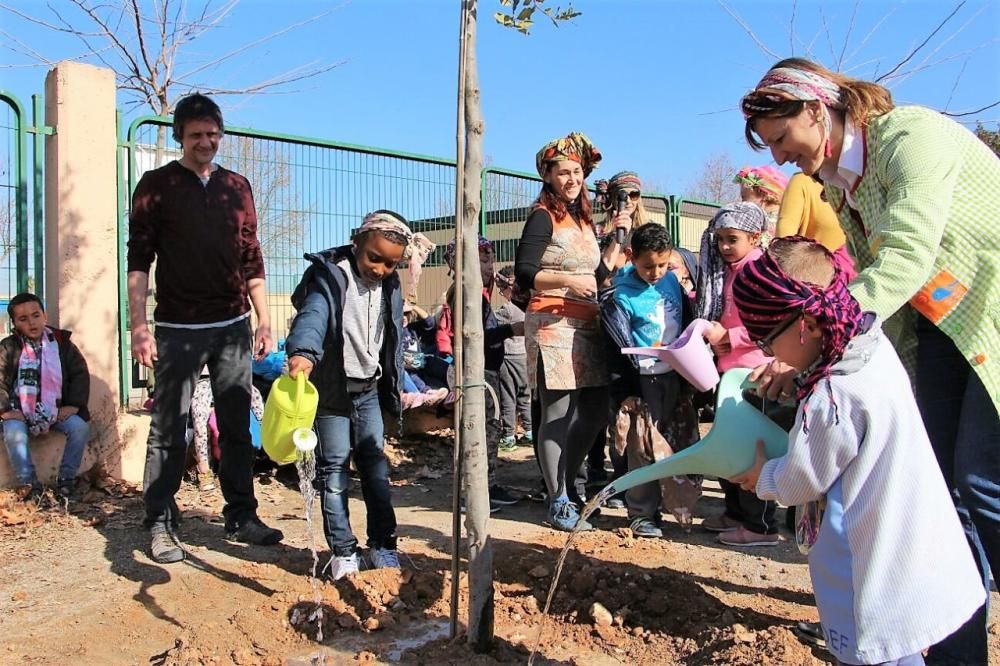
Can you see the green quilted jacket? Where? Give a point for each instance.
(926, 235)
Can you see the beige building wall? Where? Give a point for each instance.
(81, 261)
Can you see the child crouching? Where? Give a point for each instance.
(890, 566)
(347, 335)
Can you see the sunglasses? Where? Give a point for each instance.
(764, 344)
(634, 196)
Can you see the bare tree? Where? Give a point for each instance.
(145, 42)
(281, 213)
(715, 182)
(470, 431)
(931, 49)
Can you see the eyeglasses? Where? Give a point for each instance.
(764, 344)
(634, 196)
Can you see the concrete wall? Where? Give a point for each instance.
(81, 261)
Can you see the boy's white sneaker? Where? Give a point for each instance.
(384, 558)
(344, 565)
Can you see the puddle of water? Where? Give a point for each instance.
(592, 506)
(417, 634)
(429, 632)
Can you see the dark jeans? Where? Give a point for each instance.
(659, 392)
(361, 434)
(757, 515)
(493, 425)
(181, 355)
(964, 430)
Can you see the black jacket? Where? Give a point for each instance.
(317, 332)
(75, 375)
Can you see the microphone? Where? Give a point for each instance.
(621, 203)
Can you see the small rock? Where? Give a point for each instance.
(995, 629)
(19, 596)
(345, 621)
(371, 624)
(600, 615)
(743, 635)
(637, 631)
(541, 571)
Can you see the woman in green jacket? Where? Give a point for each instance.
(918, 197)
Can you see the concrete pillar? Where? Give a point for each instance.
(81, 240)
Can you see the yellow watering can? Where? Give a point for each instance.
(289, 412)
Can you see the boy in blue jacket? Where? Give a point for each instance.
(346, 336)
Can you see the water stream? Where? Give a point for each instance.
(595, 502)
(305, 463)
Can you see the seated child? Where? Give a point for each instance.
(652, 299)
(44, 385)
(731, 241)
(890, 565)
(515, 394)
(347, 336)
(416, 392)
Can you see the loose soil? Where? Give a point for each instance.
(78, 585)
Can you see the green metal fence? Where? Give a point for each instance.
(311, 194)
(22, 230)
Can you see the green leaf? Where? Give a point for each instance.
(525, 13)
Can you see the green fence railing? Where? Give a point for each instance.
(22, 228)
(311, 194)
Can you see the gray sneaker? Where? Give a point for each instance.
(164, 546)
(645, 528)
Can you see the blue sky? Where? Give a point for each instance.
(655, 83)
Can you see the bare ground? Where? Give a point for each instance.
(77, 586)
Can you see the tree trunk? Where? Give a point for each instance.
(473, 431)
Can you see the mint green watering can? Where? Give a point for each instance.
(729, 448)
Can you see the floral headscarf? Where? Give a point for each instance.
(766, 178)
(575, 146)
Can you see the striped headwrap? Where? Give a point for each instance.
(623, 180)
(450, 251)
(741, 216)
(765, 296)
(783, 84)
(575, 146)
(394, 223)
(766, 178)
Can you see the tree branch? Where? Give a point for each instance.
(746, 29)
(973, 112)
(912, 53)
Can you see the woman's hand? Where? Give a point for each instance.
(584, 286)
(775, 381)
(748, 479)
(622, 221)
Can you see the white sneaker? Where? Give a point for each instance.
(384, 558)
(341, 566)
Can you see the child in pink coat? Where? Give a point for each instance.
(731, 241)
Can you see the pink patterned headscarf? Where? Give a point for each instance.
(765, 296)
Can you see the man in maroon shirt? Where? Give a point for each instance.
(198, 221)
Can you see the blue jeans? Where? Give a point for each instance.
(964, 430)
(360, 434)
(15, 437)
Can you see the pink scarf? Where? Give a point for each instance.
(39, 375)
